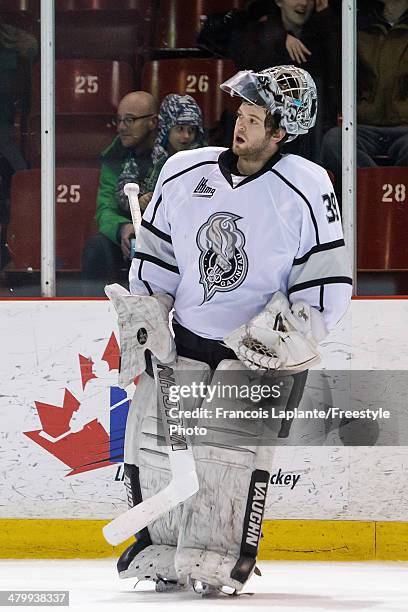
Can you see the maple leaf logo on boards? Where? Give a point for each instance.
(91, 447)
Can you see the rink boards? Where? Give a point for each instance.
(63, 420)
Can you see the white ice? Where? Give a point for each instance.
(284, 586)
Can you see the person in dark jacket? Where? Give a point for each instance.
(18, 50)
(299, 32)
(382, 89)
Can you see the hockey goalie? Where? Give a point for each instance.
(255, 272)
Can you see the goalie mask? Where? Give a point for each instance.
(286, 91)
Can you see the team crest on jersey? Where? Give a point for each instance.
(223, 261)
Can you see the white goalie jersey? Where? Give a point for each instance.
(222, 244)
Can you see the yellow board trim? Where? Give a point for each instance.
(282, 540)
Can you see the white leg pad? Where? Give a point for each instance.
(152, 563)
(145, 448)
(207, 566)
(221, 523)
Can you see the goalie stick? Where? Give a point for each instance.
(184, 481)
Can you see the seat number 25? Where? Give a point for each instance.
(332, 209)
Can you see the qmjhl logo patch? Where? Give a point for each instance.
(203, 190)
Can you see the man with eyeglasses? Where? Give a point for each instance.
(129, 157)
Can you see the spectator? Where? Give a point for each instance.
(128, 157)
(180, 129)
(17, 51)
(382, 104)
(300, 32)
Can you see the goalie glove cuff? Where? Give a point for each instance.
(307, 320)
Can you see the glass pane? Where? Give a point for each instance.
(19, 184)
(97, 47)
(382, 148)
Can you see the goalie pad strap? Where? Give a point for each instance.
(134, 496)
(255, 509)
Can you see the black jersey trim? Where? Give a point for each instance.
(329, 280)
(326, 246)
(158, 262)
(304, 198)
(321, 298)
(156, 206)
(174, 176)
(139, 275)
(203, 163)
(227, 162)
(151, 228)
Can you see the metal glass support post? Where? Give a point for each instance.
(349, 89)
(47, 149)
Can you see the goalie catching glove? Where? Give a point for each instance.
(280, 337)
(143, 322)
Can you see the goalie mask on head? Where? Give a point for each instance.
(286, 91)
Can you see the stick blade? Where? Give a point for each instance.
(134, 520)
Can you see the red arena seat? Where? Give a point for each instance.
(177, 22)
(208, 7)
(21, 13)
(75, 202)
(79, 140)
(18, 6)
(86, 86)
(199, 78)
(100, 34)
(100, 5)
(382, 218)
(13, 11)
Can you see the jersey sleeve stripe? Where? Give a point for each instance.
(139, 274)
(321, 265)
(150, 244)
(321, 298)
(330, 280)
(151, 228)
(327, 246)
(156, 206)
(300, 194)
(158, 262)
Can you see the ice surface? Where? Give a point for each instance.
(284, 586)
